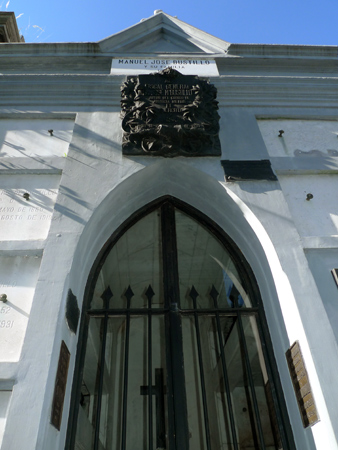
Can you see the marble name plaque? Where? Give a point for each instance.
(199, 66)
(26, 206)
(18, 276)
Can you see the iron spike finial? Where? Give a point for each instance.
(193, 293)
(214, 293)
(129, 293)
(107, 295)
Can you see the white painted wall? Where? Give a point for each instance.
(317, 216)
(308, 136)
(99, 190)
(30, 137)
(18, 280)
(5, 397)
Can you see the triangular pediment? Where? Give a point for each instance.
(162, 33)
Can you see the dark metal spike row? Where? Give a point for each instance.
(193, 293)
(106, 296)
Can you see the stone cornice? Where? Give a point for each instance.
(104, 90)
(259, 66)
(50, 49)
(283, 51)
(70, 90)
(95, 63)
(234, 50)
(277, 91)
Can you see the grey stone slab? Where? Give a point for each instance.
(6, 384)
(240, 136)
(28, 247)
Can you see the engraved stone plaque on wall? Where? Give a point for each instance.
(301, 385)
(25, 217)
(169, 114)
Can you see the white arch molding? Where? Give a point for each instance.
(210, 196)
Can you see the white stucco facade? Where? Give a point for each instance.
(82, 189)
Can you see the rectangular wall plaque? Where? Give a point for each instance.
(129, 66)
(60, 386)
(301, 385)
(248, 170)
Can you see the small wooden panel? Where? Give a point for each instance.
(60, 386)
(301, 385)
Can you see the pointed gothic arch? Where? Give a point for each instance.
(254, 414)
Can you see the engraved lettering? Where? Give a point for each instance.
(6, 323)
(308, 403)
(294, 350)
(297, 359)
(166, 107)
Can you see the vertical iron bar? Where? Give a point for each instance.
(251, 417)
(167, 327)
(251, 382)
(214, 295)
(150, 371)
(193, 294)
(128, 294)
(160, 413)
(99, 394)
(279, 407)
(170, 389)
(177, 401)
(106, 296)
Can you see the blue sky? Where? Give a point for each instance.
(304, 22)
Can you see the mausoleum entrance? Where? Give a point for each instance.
(172, 355)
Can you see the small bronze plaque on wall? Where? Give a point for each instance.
(60, 386)
(301, 385)
(169, 114)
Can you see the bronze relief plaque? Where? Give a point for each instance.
(60, 386)
(301, 385)
(169, 114)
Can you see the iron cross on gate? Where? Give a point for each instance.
(158, 390)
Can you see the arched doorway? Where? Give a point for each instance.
(174, 354)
